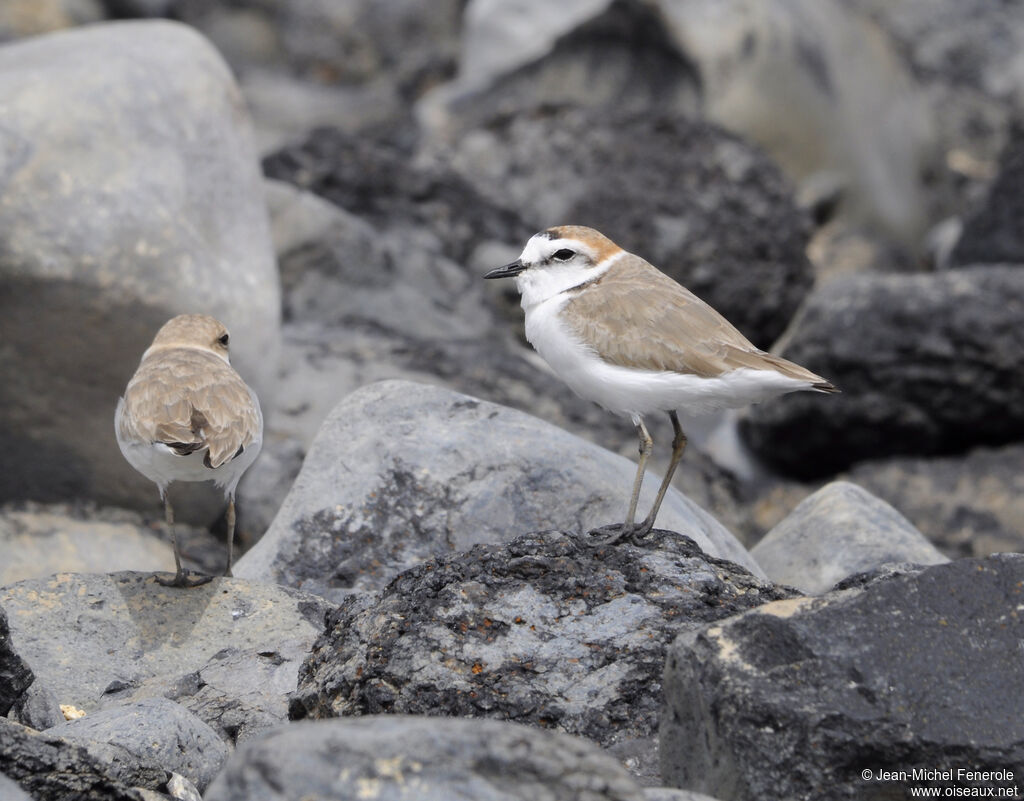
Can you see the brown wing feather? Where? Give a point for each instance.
(642, 318)
(191, 400)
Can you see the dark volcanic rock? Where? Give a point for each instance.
(546, 630)
(15, 675)
(384, 186)
(51, 768)
(804, 698)
(927, 364)
(697, 202)
(394, 758)
(993, 234)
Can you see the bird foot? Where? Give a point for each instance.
(182, 579)
(615, 533)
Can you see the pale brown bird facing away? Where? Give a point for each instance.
(186, 415)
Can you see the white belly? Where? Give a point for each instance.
(635, 392)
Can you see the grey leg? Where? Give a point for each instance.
(678, 445)
(181, 578)
(646, 444)
(614, 533)
(231, 533)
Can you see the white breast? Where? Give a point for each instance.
(635, 392)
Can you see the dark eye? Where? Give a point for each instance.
(564, 254)
(223, 339)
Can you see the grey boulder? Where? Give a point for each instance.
(396, 757)
(822, 698)
(401, 472)
(49, 767)
(839, 530)
(228, 651)
(129, 192)
(156, 730)
(548, 629)
(928, 364)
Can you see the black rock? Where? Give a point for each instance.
(15, 676)
(817, 698)
(927, 364)
(381, 184)
(993, 233)
(50, 768)
(546, 630)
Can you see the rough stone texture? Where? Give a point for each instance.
(129, 192)
(41, 539)
(49, 767)
(385, 187)
(927, 364)
(15, 676)
(991, 233)
(797, 698)
(547, 630)
(430, 759)
(839, 530)
(695, 201)
(401, 472)
(156, 730)
(228, 651)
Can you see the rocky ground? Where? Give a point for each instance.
(831, 604)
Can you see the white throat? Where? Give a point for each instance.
(539, 284)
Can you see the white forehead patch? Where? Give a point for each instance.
(540, 248)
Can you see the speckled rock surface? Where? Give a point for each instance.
(547, 630)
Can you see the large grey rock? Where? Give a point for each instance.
(15, 676)
(431, 759)
(228, 651)
(813, 698)
(400, 472)
(156, 730)
(839, 530)
(927, 364)
(547, 630)
(697, 202)
(52, 768)
(129, 192)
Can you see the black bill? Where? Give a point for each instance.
(513, 268)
